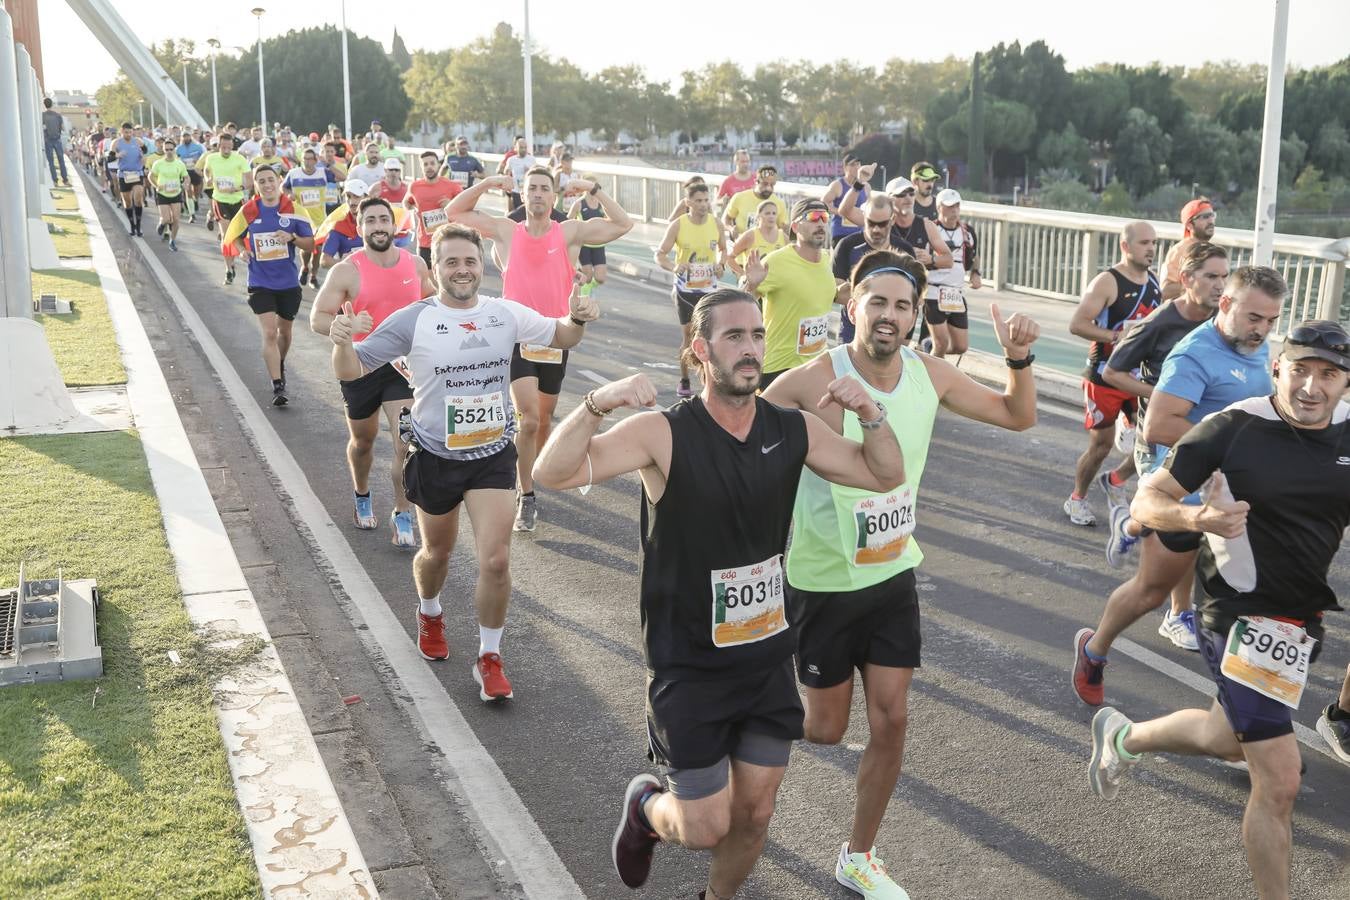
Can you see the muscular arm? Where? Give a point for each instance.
(1124, 381)
(848, 209)
(462, 210)
(1014, 409)
(876, 464)
(1166, 422)
(613, 226)
(1083, 322)
(341, 285)
(1157, 504)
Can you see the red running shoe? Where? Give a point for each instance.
(1087, 672)
(492, 681)
(633, 841)
(431, 637)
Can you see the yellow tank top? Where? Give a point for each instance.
(696, 249)
(763, 245)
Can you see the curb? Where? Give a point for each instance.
(301, 839)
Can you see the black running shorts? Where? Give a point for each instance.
(550, 375)
(436, 485)
(694, 724)
(934, 316)
(364, 396)
(840, 632)
(285, 303)
(592, 256)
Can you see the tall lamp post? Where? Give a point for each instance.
(346, 78)
(185, 59)
(215, 97)
(527, 51)
(1267, 185)
(262, 90)
(168, 82)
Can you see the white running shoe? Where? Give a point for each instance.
(1121, 544)
(1108, 766)
(865, 874)
(1116, 497)
(1079, 512)
(1179, 629)
(1125, 436)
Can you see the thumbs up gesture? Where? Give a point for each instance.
(348, 324)
(1016, 334)
(1221, 514)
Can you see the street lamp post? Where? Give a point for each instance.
(262, 90)
(526, 51)
(215, 97)
(1267, 185)
(184, 60)
(167, 116)
(140, 117)
(346, 77)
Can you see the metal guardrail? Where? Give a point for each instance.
(1041, 252)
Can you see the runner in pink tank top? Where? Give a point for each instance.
(539, 271)
(379, 279)
(536, 256)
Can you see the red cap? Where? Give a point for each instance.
(1191, 210)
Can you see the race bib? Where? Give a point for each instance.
(474, 420)
(227, 185)
(311, 196)
(330, 193)
(434, 218)
(131, 177)
(812, 332)
(950, 300)
(1270, 657)
(751, 221)
(700, 276)
(170, 186)
(747, 603)
(540, 353)
(268, 246)
(460, 178)
(882, 526)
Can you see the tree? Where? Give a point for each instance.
(1066, 151)
(1204, 87)
(1033, 76)
(398, 53)
(1098, 101)
(1115, 200)
(1010, 127)
(1310, 191)
(1205, 152)
(908, 87)
(850, 101)
(720, 92)
(1061, 190)
(771, 100)
(487, 83)
(975, 152)
(118, 100)
(1311, 98)
(1331, 149)
(1153, 89)
(1140, 152)
(427, 83)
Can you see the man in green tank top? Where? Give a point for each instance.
(851, 594)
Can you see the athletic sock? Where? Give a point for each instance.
(1092, 656)
(528, 494)
(361, 495)
(130, 220)
(1120, 744)
(646, 795)
(137, 210)
(1115, 479)
(1337, 714)
(276, 383)
(490, 640)
(1075, 496)
(429, 606)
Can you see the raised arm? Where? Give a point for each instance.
(1015, 408)
(876, 464)
(576, 455)
(462, 209)
(615, 224)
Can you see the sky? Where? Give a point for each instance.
(598, 33)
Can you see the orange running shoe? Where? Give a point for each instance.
(431, 637)
(492, 681)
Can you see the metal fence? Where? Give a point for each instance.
(1045, 253)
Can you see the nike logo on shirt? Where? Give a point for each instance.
(407, 281)
(769, 449)
(552, 250)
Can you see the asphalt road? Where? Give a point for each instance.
(994, 801)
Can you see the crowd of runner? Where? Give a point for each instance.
(783, 426)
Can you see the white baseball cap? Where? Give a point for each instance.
(948, 197)
(897, 186)
(393, 163)
(355, 186)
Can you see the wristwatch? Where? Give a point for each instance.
(576, 321)
(1020, 363)
(877, 422)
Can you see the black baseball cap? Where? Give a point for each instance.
(1320, 339)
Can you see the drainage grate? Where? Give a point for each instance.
(9, 614)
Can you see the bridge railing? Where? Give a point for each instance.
(1042, 252)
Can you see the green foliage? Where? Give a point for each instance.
(975, 157)
(1205, 153)
(398, 53)
(1061, 190)
(1204, 87)
(1163, 202)
(1331, 149)
(1066, 151)
(1098, 101)
(1034, 76)
(1140, 152)
(1115, 200)
(1311, 193)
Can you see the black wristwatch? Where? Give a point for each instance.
(1020, 363)
(576, 321)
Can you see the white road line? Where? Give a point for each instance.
(593, 376)
(505, 823)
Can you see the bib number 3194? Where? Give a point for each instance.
(474, 420)
(882, 526)
(1268, 656)
(747, 603)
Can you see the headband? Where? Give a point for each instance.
(896, 270)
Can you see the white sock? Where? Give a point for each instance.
(490, 640)
(429, 606)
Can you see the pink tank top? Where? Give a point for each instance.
(538, 272)
(385, 291)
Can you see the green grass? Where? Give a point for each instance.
(73, 241)
(64, 198)
(84, 343)
(123, 793)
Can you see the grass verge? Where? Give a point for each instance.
(73, 238)
(83, 343)
(117, 787)
(65, 200)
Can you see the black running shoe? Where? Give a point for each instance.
(633, 841)
(279, 397)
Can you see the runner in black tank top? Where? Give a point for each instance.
(719, 474)
(1122, 294)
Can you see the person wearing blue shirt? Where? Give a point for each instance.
(190, 151)
(462, 168)
(1220, 363)
(267, 231)
(130, 154)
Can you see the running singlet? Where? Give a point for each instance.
(955, 277)
(461, 366)
(169, 176)
(846, 539)
(797, 296)
(227, 176)
(731, 185)
(271, 264)
(539, 272)
(744, 207)
(1133, 301)
(696, 247)
(712, 547)
(307, 191)
(839, 229)
(385, 291)
(428, 199)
